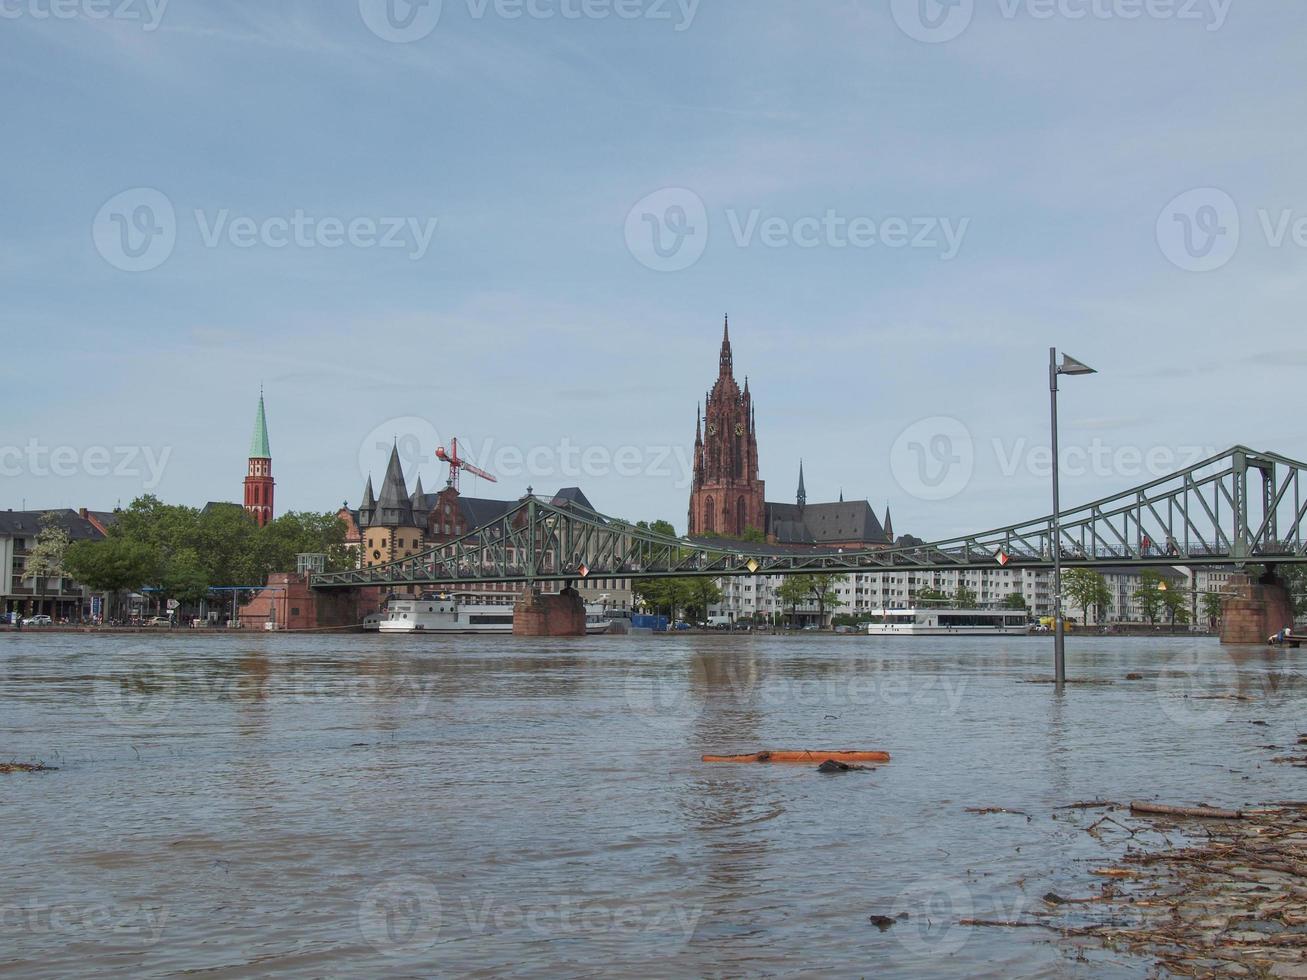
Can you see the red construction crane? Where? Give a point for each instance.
(457, 463)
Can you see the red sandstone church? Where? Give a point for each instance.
(727, 499)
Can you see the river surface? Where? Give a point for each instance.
(308, 806)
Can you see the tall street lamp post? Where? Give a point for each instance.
(1069, 366)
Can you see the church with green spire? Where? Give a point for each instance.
(259, 484)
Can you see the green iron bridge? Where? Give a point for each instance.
(1239, 507)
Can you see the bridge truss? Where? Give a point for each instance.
(1239, 507)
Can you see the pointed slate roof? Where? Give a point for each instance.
(888, 525)
(259, 448)
(802, 497)
(394, 506)
(571, 495)
(850, 520)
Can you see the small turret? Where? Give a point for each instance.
(368, 508)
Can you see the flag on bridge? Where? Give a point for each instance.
(1002, 558)
(582, 570)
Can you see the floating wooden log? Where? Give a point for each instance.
(1211, 813)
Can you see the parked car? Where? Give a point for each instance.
(38, 621)
(158, 621)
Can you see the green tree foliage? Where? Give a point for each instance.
(703, 592)
(672, 596)
(1016, 600)
(664, 528)
(185, 579)
(1294, 578)
(45, 559)
(1087, 589)
(301, 532)
(1212, 607)
(804, 590)
(180, 552)
(965, 598)
(663, 595)
(115, 565)
(1175, 603)
(1149, 595)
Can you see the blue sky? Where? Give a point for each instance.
(495, 286)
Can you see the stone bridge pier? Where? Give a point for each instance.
(543, 614)
(1255, 610)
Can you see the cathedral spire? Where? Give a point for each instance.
(726, 362)
(698, 429)
(802, 497)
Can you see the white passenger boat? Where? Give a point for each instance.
(596, 619)
(433, 614)
(940, 621)
(444, 614)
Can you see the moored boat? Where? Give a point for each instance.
(432, 613)
(942, 621)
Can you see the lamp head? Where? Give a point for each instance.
(1070, 365)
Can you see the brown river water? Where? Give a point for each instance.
(308, 806)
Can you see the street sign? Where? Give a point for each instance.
(173, 604)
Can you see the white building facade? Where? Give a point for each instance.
(750, 597)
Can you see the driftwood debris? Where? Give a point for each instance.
(1234, 894)
(1200, 812)
(25, 767)
(802, 755)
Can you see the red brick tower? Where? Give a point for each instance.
(727, 498)
(259, 484)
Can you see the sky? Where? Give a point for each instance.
(521, 224)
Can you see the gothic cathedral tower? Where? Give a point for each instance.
(727, 497)
(259, 483)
